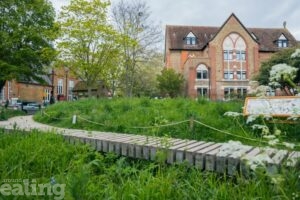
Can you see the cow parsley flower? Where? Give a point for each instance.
(289, 145)
(269, 137)
(251, 118)
(232, 114)
(296, 54)
(273, 142)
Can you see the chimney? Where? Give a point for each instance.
(284, 24)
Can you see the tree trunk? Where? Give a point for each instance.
(89, 88)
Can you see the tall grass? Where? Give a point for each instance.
(148, 117)
(91, 175)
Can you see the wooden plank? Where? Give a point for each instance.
(180, 152)
(210, 159)
(91, 142)
(190, 153)
(245, 170)
(200, 155)
(162, 147)
(115, 144)
(146, 148)
(171, 157)
(277, 159)
(293, 159)
(234, 161)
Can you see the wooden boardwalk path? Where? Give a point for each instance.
(203, 155)
(208, 156)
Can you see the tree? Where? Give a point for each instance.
(89, 45)
(139, 40)
(145, 81)
(283, 75)
(27, 32)
(283, 56)
(170, 83)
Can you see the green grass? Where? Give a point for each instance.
(8, 113)
(130, 115)
(91, 175)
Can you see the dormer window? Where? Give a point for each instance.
(282, 42)
(190, 39)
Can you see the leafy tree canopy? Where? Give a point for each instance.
(88, 44)
(27, 30)
(170, 83)
(282, 57)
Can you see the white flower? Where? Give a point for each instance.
(278, 71)
(293, 117)
(264, 129)
(232, 114)
(259, 160)
(251, 118)
(277, 132)
(289, 145)
(269, 137)
(273, 142)
(233, 148)
(296, 53)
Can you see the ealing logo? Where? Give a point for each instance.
(21, 187)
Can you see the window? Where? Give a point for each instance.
(202, 72)
(282, 42)
(228, 75)
(228, 92)
(240, 55)
(202, 92)
(47, 95)
(241, 92)
(70, 90)
(190, 39)
(228, 55)
(241, 75)
(60, 86)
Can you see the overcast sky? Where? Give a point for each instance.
(252, 13)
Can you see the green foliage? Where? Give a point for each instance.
(5, 114)
(138, 44)
(27, 31)
(283, 56)
(91, 175)
(148, 116)
(88, 44)
(170, 83)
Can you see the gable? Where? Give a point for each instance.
(233, 26)
(265, 37)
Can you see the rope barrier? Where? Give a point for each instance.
(246, 138)
(158, 126)
(173, 124)
(227, 133)
(91, 121)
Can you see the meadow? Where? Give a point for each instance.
(46, 157)
(177, 118)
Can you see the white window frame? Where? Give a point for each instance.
(202, 91)
(60, 86)
(70, 89)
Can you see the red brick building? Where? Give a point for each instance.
(59, 80)
(218, 62)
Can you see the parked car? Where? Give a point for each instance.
(31, 108)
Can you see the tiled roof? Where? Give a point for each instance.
(266, 37)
